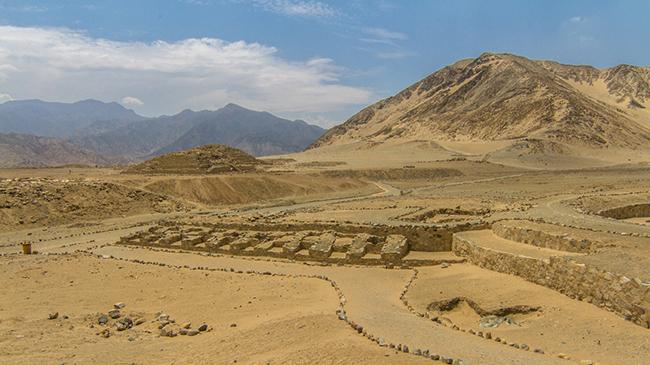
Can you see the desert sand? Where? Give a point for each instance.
(266, 259)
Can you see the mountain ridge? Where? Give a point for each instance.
(120, 135)
(506, 97)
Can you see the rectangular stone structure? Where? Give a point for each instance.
(395, 247)
(321, 250)
(291, 247)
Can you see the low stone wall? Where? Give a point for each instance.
(628, 211)
(627, 297)
(540, 238)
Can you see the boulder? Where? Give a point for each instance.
(103, 319)
(114, 313)
(169, 330)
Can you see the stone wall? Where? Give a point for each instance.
(628, 211)
(627, 297)
(539, 238)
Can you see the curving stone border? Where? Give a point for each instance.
(449, 324)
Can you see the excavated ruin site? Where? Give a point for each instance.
(301, 261)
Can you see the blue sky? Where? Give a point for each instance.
(317, 60)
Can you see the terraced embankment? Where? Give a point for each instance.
(559, 270)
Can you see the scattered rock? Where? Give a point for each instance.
(186, 325)
(114, 313)
(168, 331)
(54, 315)
(203, 327)
(192, 332)
(119, 305)
(124, 324)
(103, 319)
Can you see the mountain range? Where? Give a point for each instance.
(107, 132)
(531, 108)
(25, 150)
(502, 108)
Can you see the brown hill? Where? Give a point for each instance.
(23, 150)
(537, 107)
(207, 159)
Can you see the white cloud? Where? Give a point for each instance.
(382, 36)
(304, 8)
(577, 19)
(5, 97)
(386, 39)
(67, 65)
(381, 33)
(131, 102)
(24, 8)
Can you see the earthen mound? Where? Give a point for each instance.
(207, 159)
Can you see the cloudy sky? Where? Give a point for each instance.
(316, 60)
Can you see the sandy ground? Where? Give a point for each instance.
(292, 320)
(277, 320)
(561, 326)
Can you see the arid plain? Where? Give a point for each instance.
(496, 212)
(291, 263)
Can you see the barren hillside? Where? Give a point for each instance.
(31, 151)
(540, 107)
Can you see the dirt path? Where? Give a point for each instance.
(554, 210)
(372, 300)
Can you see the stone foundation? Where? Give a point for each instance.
(324, 246)
(420, 238)
(627, 297)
